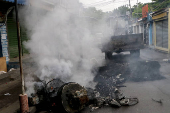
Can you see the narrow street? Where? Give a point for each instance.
(82, 56)
(146, 91)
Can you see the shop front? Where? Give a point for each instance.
(161, 30)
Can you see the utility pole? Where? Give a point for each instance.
(22, 97)
(130, 10)
(137, 6)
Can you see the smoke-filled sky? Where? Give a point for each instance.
(109, 5)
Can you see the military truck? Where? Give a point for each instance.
(123, 40)
(121, 43)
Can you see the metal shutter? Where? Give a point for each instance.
(159, 33)
(12, 37)
(165, 34)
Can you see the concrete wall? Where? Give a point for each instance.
(137, 28)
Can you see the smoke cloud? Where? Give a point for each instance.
(62, 43)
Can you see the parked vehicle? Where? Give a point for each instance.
(121, 43)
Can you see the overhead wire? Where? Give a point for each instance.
(96, 2)
(116, 2)
(108, 2)
(105, 4)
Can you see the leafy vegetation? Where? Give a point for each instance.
(159, 4)
(137, 9)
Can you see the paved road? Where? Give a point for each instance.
(145, 91)
(10, 103)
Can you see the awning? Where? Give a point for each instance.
(22, 2)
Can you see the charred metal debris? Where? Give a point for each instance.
(72, 97)
(57, 95)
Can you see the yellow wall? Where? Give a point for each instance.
(159, 16)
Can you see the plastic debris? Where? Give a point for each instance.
(2, 72)
(12, 69)
(7, 94)
(165, 60)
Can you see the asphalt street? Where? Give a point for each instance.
(146, 92)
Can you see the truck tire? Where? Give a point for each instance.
(108, 55)
(118, 52)
(135, 53)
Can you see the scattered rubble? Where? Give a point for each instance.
(166, 60)
(72, 97)
(7, 94)
(12, 69)
(2, 72)
(158, 101)
(109, 80)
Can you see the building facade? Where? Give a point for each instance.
(161, 30)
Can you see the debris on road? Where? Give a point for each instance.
(166, 60)
(2, 72)
(12, 69)
(7, 94)
(129, 101)
(110, 78)
(158, 101)
(72, 97)
(117, 101)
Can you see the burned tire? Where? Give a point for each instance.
(71, 98)
(135, 53)
(108, 55)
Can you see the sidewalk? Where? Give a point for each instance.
(152, 54)
(10, 82)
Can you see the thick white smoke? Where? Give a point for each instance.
(61, 43)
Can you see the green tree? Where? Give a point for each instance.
(123, 9)
(159, 4)
(137, 10)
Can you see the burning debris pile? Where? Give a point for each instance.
(72, 97)
(118, 100)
